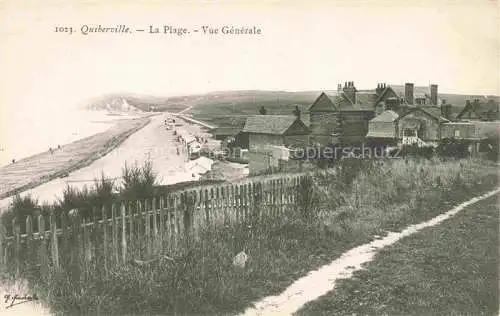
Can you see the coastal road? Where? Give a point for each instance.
(186, 118)
(152, 142)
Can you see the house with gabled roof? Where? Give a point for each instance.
(480, 110)
(277, 130)
(418, 125)
(345, 117)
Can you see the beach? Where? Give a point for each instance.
(99, 155)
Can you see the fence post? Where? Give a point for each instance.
(86, 242)
(216, 213)
(64, 240)
(237, 204)
(96, 228)
(17, 247)
(75, 247)
(248, 200)
(147, 227)
(282, 196)
(54, 243)
(175, 219)
(124, 233)
(42, 250)
(29, 239)
(104, 216)
(162, 224)
(131, 223)
(213, 207)
(3, 246)
(186, 206)
(223, 196)
(169, 222)
(155, 225)
(114, 234)
(178, 215)
(206, 203)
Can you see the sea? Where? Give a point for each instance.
(25, 134)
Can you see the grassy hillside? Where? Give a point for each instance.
(333, 215)
(225, 109)
(229, 108)
(451, 269)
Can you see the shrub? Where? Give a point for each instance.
(21, 208)
(457, 148)
(138, 182)
(415, 151)
(490, 147)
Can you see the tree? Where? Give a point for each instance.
(263, 110)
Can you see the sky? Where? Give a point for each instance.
(304, 45)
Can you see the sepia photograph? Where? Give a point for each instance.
(249, 158)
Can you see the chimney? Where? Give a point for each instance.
(409, 93)
(339, 88)
(350, 91)
(380, 89)
(296, 112)
(446, 110)
(434, 94)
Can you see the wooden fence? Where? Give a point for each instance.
(119, 232)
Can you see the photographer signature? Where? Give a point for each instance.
(16, 299)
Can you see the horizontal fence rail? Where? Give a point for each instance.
(116, 233)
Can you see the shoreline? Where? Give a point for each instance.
(93, 147)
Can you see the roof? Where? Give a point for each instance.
(386, 116)
(364, 102)
(227, 131)
(324, 102)
(271, 124)
(488, 110)
(381, 134)
(200, 165)
(432, 111)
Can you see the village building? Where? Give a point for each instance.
(270, 139)
(345, 117)
(231, 137)
(480, 110)
(278, 130)
(418, 126)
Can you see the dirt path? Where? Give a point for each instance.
(322, 281)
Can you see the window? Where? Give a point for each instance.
(408, 132)
(457, 133)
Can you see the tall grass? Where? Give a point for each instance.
(138, 182)
(331, 217)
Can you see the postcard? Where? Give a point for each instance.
(240, 157)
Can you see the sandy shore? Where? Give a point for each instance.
(38, 169)
(153, 142)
